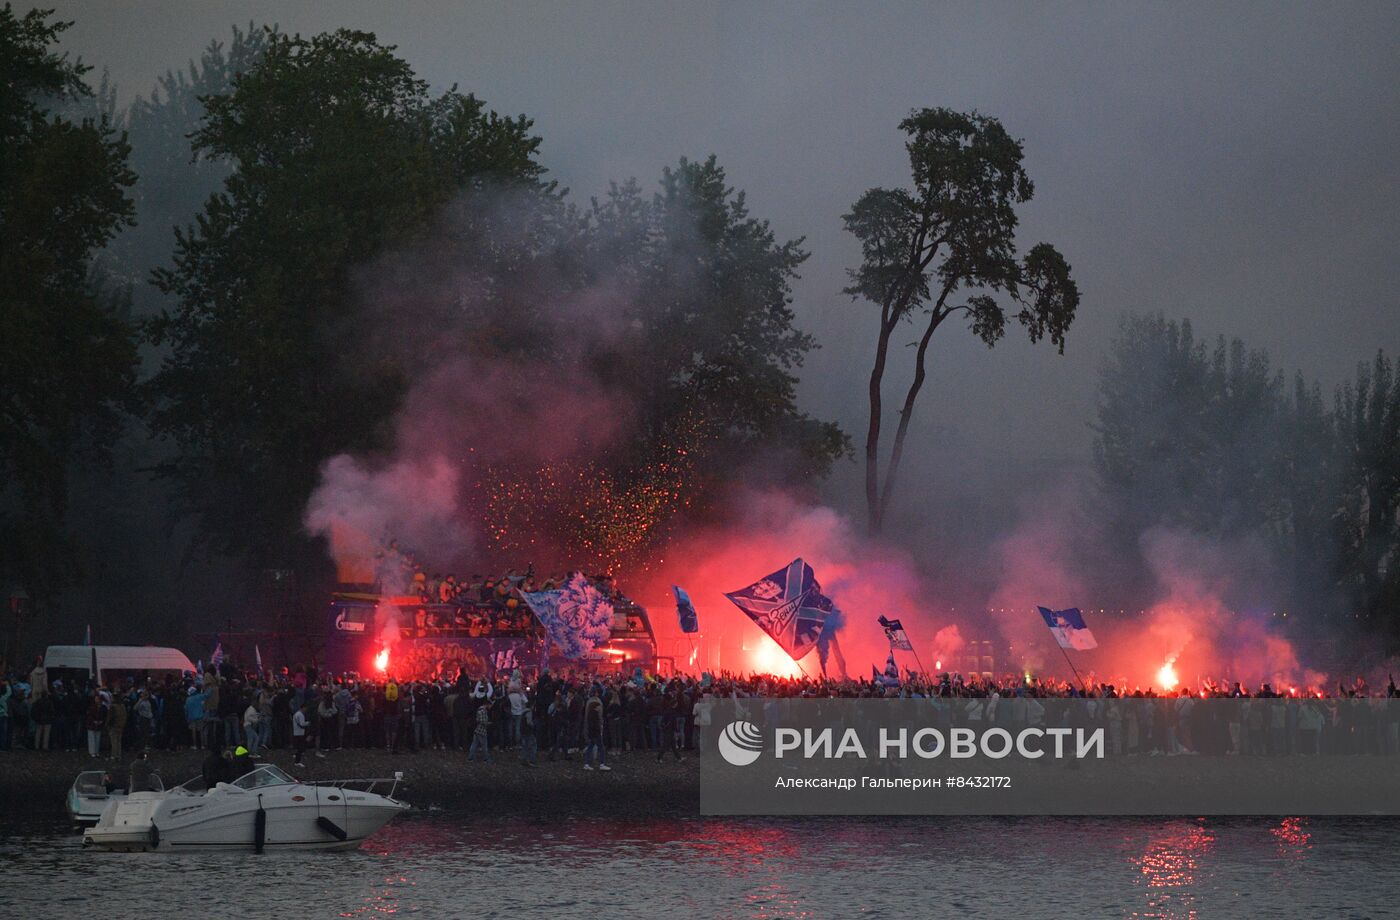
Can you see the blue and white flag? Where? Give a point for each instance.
(891, 676)
(690, 620)
(788, 605)
(894, 631)
(217, 657)
(1067, 626)
(577, 617)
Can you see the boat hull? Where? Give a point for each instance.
(295, 818)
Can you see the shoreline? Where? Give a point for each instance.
(36, 783)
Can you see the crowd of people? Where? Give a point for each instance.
(479, 606)
(398, 572)
(593, 716)
(309, 713)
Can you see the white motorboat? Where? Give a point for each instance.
(90, 794)
(264, 809)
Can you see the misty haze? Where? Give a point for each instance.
(1245, 189)
(696, 349)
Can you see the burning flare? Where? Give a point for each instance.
(381, 661)
(1166, 676)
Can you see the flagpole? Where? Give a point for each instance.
(915, 650)
(1082, 688)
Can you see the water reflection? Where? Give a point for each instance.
(1170, 867)
(1293, 838)
(452, 864)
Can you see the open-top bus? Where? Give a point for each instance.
(409, 638)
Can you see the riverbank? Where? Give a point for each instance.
(36, 783)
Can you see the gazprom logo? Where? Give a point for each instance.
(740, 743)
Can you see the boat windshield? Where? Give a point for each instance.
(266, 775)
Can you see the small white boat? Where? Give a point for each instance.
(264, 809)
(90, 794)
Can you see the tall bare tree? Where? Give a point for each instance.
(947, 247)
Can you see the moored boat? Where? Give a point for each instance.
(92, 791)
(264, 809)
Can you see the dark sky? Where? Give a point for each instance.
(1232, 163)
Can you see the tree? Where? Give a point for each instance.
(173, 182)
(1368, 423)
(947, 247)
(1187, 435)
(337, 153)
(696, 340)
(710, 300)
(1211, 441)
(67, 356)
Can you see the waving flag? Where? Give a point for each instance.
(788, 605)
(690, 620)
(890, 677)
(1067, 626)
(894, 631)
(891, 672)
(217, 657)
(257, 657)
(576, 616)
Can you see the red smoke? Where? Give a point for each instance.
(770, 529)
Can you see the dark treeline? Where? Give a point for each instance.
(209, 293)
(1212, 439)
(225, 348)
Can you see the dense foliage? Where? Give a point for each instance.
(67, 353)
(1210, 438)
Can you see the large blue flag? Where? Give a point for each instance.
(577, 617)
(690, 620)
(1068, 628)
(788, 605)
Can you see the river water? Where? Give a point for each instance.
(448, 864)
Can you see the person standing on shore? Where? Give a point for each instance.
(39, 679)
(116, 726)
(252, 726)
(327, 714)
(391, 717)
(353, 714)
(211, 711)
(96, 721)
(593, 732)
(42, 713)
(342, 707)
(480, 739)
(145, 713)
(670, 712)
(300, 723)
(529, 740)
(518, 703)
(194, 716)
